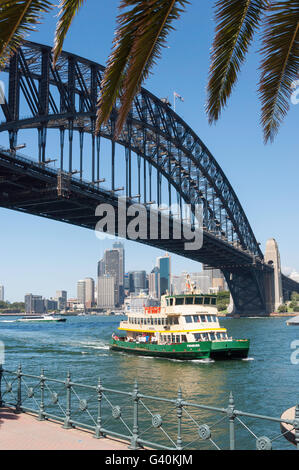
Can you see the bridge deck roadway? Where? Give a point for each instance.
(25, 432)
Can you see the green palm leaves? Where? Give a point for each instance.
(280, 63)
(142, 31)
(17, 18)
(67, 12)
(237, 21)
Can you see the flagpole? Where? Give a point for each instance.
(174, 97)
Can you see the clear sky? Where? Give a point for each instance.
(42, 256)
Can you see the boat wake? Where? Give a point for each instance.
(248, 359)
(203, 361)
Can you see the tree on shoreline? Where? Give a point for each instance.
(141, 33)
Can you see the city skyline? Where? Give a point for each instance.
(35, 257)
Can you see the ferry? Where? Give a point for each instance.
(41, 318)
(184, 327)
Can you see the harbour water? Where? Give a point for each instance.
(266, 383)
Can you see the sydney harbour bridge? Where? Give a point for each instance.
(157, 159)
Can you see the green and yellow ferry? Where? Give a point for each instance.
(184, 327)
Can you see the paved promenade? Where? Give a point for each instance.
(25, 432)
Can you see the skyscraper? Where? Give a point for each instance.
(34, 304)
(120, 247)
(154, 283)
(101, 268)
(61, 297)
(81, 291)
(89, 292)
(106, 291)
(2, 293)
(112, 262)
(165, 274)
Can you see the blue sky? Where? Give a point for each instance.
(43, 256)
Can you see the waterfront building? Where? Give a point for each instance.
(61, 297)
(112, 262)
(34, 304)
(154, 283)
(50, 305)
(106, 291)
(138, 281)
(81, 291)
(217, 279)
(89, 292)
(101, 268)
(120, 247)
(74, 304)
(164, 266)
(2, 293)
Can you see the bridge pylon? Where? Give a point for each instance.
(273, 281)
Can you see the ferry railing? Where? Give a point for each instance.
(175, 424)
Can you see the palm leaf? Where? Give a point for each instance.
(140, 37)
(237, 21)
(280, 64)
(67, 11)
(17, 18)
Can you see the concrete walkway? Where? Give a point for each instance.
(288, 428)
(25, 432)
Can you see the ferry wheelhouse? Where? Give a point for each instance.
(184, 327)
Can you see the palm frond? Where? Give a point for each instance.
(17, 18)
(140, 37)
(67, 11)
(236, 21)
(280, 64)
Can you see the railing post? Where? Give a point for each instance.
(231, 416)
(179, 407)
(67, 420)
(134, 444)
(41, 415)
(98, 433)
(1, 373)
(19, 391)
(297, 426)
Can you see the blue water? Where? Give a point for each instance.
(267, 383)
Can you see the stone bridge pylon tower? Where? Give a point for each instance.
(274, 293)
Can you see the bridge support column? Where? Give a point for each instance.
(272, 257)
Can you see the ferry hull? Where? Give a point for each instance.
(236, 349)
(183, 351)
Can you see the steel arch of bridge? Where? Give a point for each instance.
(65, 98)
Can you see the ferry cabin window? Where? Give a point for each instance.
(179, 301)
(205, 336)
(198, 301)
(196, 318)
(189, 300)
(188, 319)
(197, 336)
(171, 301)
(207, 301)
(212, 336)
(203, 318)
(213, 301)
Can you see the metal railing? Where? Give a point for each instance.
(141, 420)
